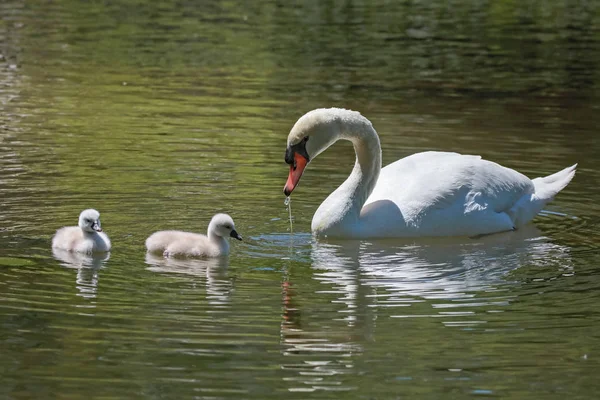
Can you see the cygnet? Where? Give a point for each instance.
(85, 238)
(187, 244)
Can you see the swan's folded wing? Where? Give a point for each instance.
(430, 181)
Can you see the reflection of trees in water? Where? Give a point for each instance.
(11, 164)
(88, 267)
(445, 279)
(580, 41)
(483, 48)
(213, 270)
(10, 47)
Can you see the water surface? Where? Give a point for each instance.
(160, 114)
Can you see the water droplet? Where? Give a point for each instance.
(287, 202)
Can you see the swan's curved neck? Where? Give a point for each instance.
(340, 212)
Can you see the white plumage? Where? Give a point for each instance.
(425, 194)
(87, 237)
(188, 244)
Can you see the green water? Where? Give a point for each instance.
(160, 114)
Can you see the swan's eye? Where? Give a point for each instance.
(300, 143)
(299, 148)
(227, 226)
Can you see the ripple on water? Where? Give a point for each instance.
(283, 246)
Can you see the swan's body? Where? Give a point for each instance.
(188, 244)
(425, 194)
(87, 237)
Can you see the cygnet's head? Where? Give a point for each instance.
(89, 220)
(312, 134)
(222, 225)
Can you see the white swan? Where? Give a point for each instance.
(85, 238)
(187, 244)
(425, 194)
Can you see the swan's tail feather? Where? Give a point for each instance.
(545, 189)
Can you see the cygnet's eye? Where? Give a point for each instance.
(227, 226)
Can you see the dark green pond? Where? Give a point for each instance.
(163, 113)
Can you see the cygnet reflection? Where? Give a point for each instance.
(213, 270)
(88, 267)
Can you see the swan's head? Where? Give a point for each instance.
(89, 220)
(313, 133)
(222, 225)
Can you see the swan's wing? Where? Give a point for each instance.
(426, 182)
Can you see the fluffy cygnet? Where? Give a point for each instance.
(187, 244)
(85, 238)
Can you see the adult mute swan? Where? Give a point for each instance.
(425, 194)
(187, 244)
(85, 238)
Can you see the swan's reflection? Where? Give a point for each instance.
(457, 281)
(316, 359)
(455, 269)
(87, 265)
(214, 270)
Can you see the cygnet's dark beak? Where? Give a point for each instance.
(96, 226)
(236, 235)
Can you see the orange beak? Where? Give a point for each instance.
(296, 171)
